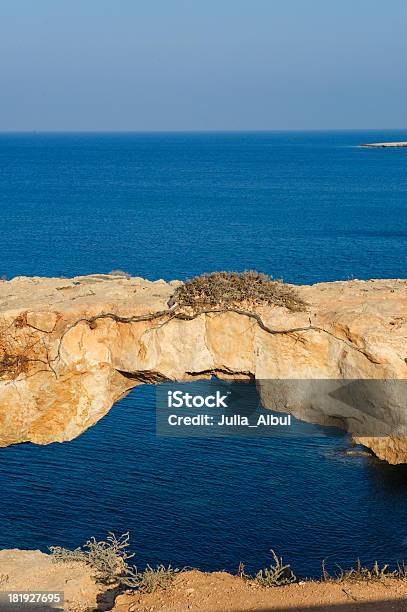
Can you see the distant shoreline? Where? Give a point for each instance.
(384, 145)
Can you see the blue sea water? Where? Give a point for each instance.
(304, 207)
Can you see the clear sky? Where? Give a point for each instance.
(202, 64)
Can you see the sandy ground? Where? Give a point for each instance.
(220, 592)
(193, 591)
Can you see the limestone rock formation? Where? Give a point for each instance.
(384, 145)
(70, 348)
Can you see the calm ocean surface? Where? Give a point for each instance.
(304, 207)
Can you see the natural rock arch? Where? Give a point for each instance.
(89, 340)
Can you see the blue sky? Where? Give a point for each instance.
(202, 64)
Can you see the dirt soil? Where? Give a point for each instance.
(220, 592)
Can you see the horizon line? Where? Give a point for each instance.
(197, 131)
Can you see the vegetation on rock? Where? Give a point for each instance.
(119, 273)
(231, 289)
(364, 573)
(110, 560)
(278, 574)
(108, 557)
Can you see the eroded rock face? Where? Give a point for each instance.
(70, 348)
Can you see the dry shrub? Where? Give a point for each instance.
(21, 348)
(108, 557)
(364, 573)
(153, 578)
(110, 560)
(231, 289)
(12, 365)
(4, 578)
(275, 575)
(120, 273)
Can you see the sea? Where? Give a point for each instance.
(301, 206)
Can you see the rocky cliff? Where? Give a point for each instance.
(70, 348)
